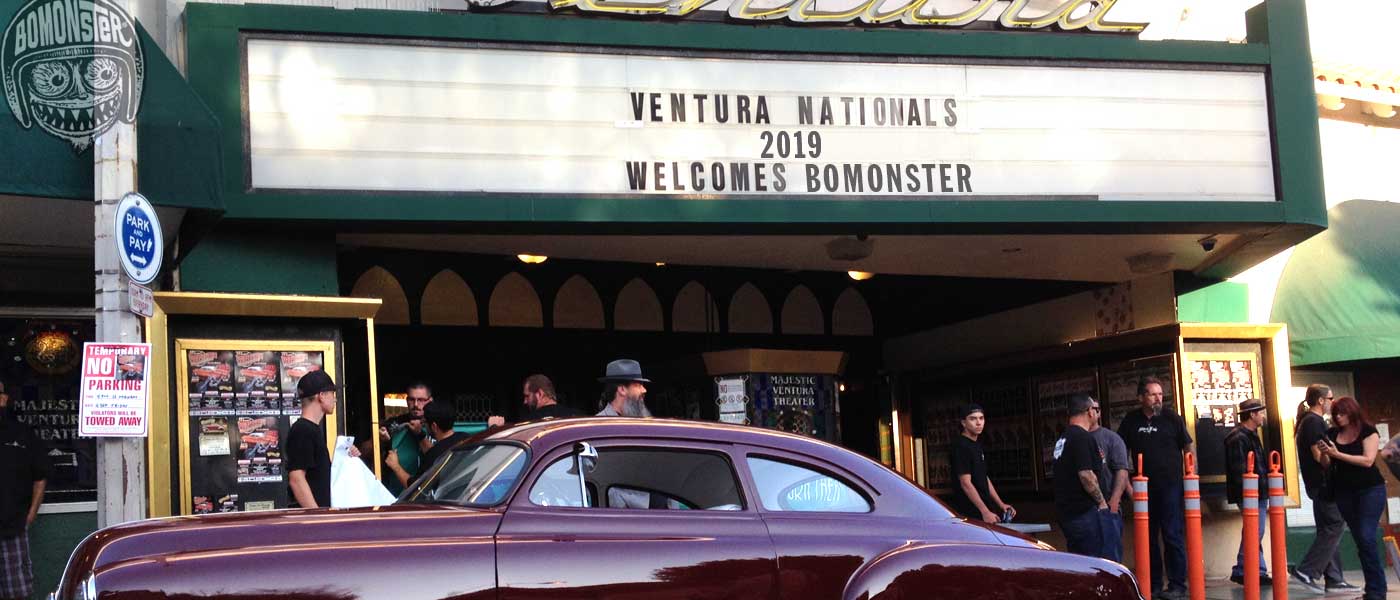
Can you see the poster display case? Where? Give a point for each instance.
(236, 404)
(1206, 370)
(1052, 394)
(224, 371)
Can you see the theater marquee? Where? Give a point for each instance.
(328, 115)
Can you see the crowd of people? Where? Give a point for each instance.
(1338, 463)
(416, 439)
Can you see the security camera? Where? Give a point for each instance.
(1207, 243)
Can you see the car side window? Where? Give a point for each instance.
(787, 487)
(643, 478)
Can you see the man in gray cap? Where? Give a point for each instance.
(624, 394)
(1242, 440)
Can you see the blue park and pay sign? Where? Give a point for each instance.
(140, 243)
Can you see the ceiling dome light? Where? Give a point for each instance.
(531, 259)
(859, 275)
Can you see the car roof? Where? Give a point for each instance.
(543, 436)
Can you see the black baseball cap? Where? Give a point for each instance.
(314, 383)
(966, 411)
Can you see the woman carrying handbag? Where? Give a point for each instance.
(1348, 453)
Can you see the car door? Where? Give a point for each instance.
(824, 523)
(666, 519)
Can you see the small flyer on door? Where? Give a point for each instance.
(257, 373)
(259, 454)
(115, 390)
(296, 365)
(211, 371)
(213, 437)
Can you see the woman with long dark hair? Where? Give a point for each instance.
(1349, 453)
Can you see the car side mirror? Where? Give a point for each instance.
(585, 460)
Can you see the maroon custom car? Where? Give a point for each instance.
(603, 509)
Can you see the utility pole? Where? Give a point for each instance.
(121, 461)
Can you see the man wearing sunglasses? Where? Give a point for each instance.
(1323, 560)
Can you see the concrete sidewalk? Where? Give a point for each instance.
(1224, 589)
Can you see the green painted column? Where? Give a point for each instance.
(52, 539)
(1224, 302)
(252, 262)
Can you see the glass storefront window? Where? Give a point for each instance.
(39, 363)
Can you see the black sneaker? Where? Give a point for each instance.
(1306, 581)
(1265, 579)
(1341, 586)
(1239, 579)
(1172, 593)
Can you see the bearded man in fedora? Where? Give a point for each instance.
(624, 392)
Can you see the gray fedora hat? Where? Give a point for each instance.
(624, 370)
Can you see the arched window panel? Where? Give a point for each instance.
(749, 311)
(514, 303)
(637, 308)
(577, 305)
(802, 314)
(694, 310)
(448, 300)
(851, 316)
(381, 284)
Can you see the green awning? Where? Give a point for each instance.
(1340, 291)
(179, 162)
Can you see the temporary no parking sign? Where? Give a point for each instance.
(139, 241)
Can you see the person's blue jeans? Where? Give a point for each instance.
(1362, 511)
(1112, 526)
(1263, 524)
(1167, 528)
(1083, 533)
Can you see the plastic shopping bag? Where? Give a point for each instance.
(352, 483)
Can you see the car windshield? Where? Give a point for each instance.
(480, 475)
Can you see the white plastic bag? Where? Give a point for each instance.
(352, 483)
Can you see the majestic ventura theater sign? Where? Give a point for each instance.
(1070, 15)
(327, 115)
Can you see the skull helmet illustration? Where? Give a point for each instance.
(74, 67)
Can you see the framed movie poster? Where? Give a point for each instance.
(1120, 382)
(1052, 394)
(1215, 384)
(237, 402)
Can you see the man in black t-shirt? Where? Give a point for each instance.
(1078, 499)
(1323, 559)
(308, 460)
(24, 471)
(1160, 436)
(974, 496)
(440, 417)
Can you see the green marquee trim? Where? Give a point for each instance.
(214, 58)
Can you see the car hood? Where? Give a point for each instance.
(168, 538)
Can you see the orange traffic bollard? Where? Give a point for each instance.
(1195, 547)
(1278, 525)
(1142, 557)
(1250, 535)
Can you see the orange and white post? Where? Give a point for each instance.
(1195, 546)
(1142, 557)
(1250, 534)
(1278, 525)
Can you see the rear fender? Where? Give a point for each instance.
(984, 572)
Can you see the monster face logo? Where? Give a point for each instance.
(74, 67)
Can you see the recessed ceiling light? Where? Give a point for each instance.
(1010, 250)
(531, 259)
(859, 275)
(660, 264)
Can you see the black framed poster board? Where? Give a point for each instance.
(237, 402)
